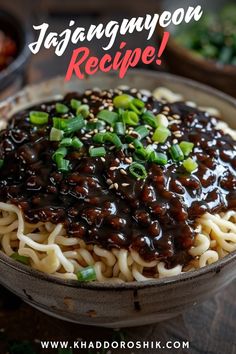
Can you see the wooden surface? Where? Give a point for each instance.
(210, 327)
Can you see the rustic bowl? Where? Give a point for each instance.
(128, 304)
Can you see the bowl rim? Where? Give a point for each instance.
(135, 285)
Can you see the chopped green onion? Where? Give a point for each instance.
(87, 274)
(161, 134)
(122, 101)
(149, 149)
(138, 103)
(142, 131)
(99, 125)
(141, 151)
(72, 142)
(83, 110)
(137, 144)
(176, 153)
(22, 259)
(75, 103)
(97, 152)
(69, 125)
(159, 158)
(149, 118)
(59, 153)
(61, 108)
(134, 109)
(1, 163)
(162, 120)
(108, 116)
(119, 128)
(62, 164)
(108, 137)
(137, 170)
(186, 147)
(38, 117)
(130, 118)
(190, 165)
(76, 143)
(56, 134)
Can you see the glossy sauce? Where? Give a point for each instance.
(100, 203)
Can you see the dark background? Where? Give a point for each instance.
(210, 327)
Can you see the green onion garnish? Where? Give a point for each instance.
(159, 158)
(108, 137)
(59, 153)
(190, 165)
(149, 118)
(161, 134)
(61, 108)
(1, 163)
(176, 153)
(137, 144)
(162, 120)
(69, 125)
(62, 164)
(108, 116)
(137, 170)
(83, 109)
(76, 143)
(186, 147)
(142, 131)
(99, 125)
(66, 142)
(122, 101)
(56, 134)
(39, 118)
(22, 259)
(97, 152)
(130, 118)
(138, 103)
(119, 128)
(87, 274)
(75, 104)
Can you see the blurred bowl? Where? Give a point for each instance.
(185, 62)
(13, 74)
(126, 304)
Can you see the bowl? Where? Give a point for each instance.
(126, 304)
(20, 32)
(184, 62)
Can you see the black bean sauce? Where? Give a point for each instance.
(101, 202)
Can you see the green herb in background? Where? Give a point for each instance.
(213, 37)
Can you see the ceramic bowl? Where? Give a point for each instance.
(128, 304)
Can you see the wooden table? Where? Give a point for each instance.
(210, 327)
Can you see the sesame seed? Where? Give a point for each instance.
(111, 186)
(85, 100)
(88, 92)
(87, 135)
(149, 140)
(103, 160)
(176, 116)
(175, 141)
(128, 159)
(139, 95)
(116, 185)
(95, 131)
(91, 115)
(131, 146)
(109, 181)
(110, 108)
(113, 168)
(123, 172)
(111, 129)
(125, 184)
(165, 113)
(166, 108)
(133, 90)
(101, 108)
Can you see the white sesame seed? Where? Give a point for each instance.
(85, 100)
(110, 108)
(128, 159)
(175, 141)
(101, 108)
(176, 116)
(88, 92)
(125, 184)
(133, 90)
(102, 158)
(111, 186)
(95, 131)
(113, 168)
(111, 129)
(87, 135)
(131, 146)
(149, 140)
(109, 181)
(123, 172)
(116, 185)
